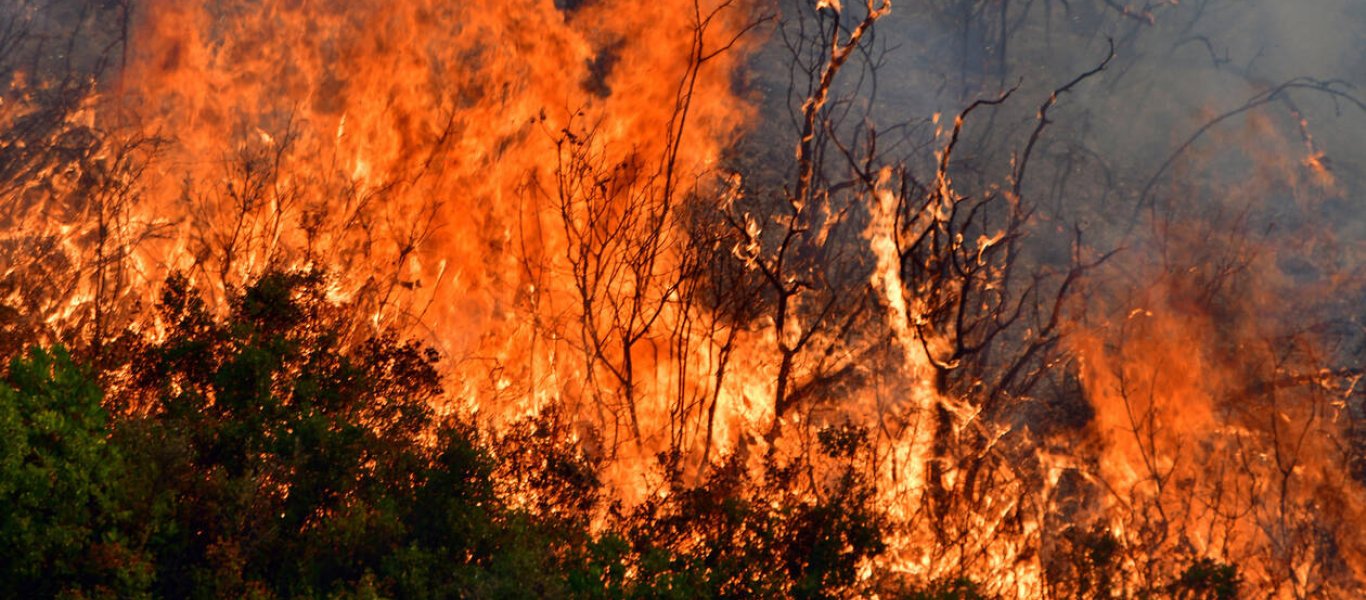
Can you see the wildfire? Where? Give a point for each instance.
(538, 191)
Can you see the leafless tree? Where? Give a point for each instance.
(634, 270)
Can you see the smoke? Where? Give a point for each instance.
(1216, 349)
(1138, 317)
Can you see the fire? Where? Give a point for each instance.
(1199, 426)
(1222, 426)
(412, 148)
(542, 192)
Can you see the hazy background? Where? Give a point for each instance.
(1099, 166)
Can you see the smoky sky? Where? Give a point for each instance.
(1176, 67)
(1184, 132)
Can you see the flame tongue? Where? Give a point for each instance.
(411, 146)
(509, 183)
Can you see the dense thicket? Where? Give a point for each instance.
(267, 453)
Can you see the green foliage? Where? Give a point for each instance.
(284, 459)
(272, 453)
(59, 484)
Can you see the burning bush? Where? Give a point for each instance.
(714, 298)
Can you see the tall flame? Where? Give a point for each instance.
(513, 183)
(428, 152)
